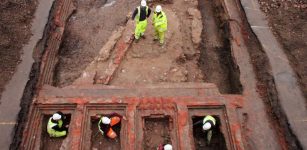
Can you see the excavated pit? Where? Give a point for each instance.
(51, 143)
(217, 141)
(216, 60)
(101, 142)
(156, 132)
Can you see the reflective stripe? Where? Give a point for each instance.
(207, 118)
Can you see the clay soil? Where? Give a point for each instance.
(217, 141)
(15, 31)
(156, 132)
(100, 142)
(288, 20)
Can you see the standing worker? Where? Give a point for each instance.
(57, 125)
(208, 124)
(106, 124)
(159, 22)
(140, 15)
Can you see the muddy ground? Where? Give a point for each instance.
(156, 132)
(217, 141)
(15, 31)
(288, 21)
(100, 142)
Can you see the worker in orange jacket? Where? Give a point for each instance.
(106, 123)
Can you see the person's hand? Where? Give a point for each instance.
(124, 118)
(67, 126)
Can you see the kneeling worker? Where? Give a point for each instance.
(57, 125)
(159, 22)
(105, 125)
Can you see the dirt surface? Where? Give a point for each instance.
(200, 138)
(288, 21)
(156, 132)
(15, 31)
(87, 30)
(147, 62)
(100, 142)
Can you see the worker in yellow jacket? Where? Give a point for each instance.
(159, 22)
(140, 15)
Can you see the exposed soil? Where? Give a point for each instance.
(87, 30)
(147, 62)
(267, 90)
(15, 31)
(100, 142)
(49, 143)
(156, 132)
(200, 138)
(216, 61)
(288, 21)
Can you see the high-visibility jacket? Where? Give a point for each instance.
(160, 21)
(209, 118)
(51, 131)
(137, 17)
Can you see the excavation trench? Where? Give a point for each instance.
(216, 60)
(156, 132)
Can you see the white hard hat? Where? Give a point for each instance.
(158, 8)
(207, 126)
(106, 120)
(143, 3)
(168, 147)
(56, 116)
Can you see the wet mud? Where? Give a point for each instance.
(101, 142)
(216, 60)
(200, 138)
(156, 132)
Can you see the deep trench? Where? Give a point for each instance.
(216, 60)
(266, 86)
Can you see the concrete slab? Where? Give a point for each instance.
(10, 100)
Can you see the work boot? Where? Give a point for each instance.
(137, 40)
(155, 39)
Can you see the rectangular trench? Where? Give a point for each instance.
(156, 132)
(221, 137)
